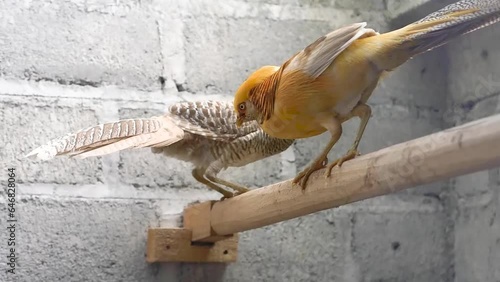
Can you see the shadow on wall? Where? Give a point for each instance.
(192, 272)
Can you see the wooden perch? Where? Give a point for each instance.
(456, 151)
(460, 150)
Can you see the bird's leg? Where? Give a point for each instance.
(335, 128)
(363, 111)
(237, 187)
(198, 175)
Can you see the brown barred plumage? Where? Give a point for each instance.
(203, 133)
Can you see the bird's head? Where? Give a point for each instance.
(243, 105)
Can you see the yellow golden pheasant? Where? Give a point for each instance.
(330, 81)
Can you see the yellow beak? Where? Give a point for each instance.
(239, 121)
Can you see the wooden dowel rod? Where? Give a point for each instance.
(456, 151)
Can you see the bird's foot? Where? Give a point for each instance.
(225, 197)
(303, 176)
(324, 162)
(237, 193)
(238, 189)
(229, 195)
(351, 154)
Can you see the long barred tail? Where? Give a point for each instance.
(450, 22)
(111, 137)
(433, 31)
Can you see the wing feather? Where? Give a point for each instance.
(316, 57)
(215, 120)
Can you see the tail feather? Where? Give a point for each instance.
(111, 137)
(432, 31)
(450, 22)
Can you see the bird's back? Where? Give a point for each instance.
(211, 135)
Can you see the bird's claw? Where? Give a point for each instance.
(237, 193)
(351, 154)
(231, 195)
(303, 176)
(324, 162)
(227, 195)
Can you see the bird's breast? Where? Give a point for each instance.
(290, 126)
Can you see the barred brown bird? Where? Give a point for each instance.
(203, 133)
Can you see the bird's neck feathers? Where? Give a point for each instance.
(264, 94)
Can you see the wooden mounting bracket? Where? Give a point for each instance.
(195, 242)
(197, 219)
(175, 245)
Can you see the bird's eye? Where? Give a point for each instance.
(242, 106)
